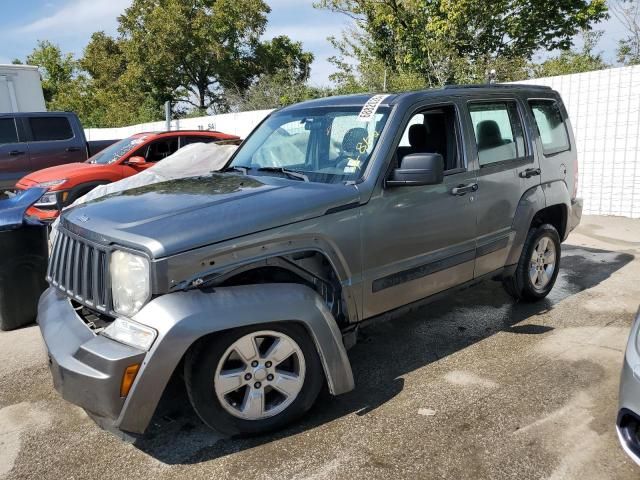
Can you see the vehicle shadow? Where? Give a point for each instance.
(388, 350)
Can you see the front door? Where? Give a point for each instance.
(14, 154)
(420, 240)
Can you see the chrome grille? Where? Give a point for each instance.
(80, 270)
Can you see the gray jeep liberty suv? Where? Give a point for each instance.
(251, 283)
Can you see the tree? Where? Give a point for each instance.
(628, 13)
(193, 51)
(282, 55)
(117, 86)
(274, 90)
(574, 61)
(56, 69)
(447, 41)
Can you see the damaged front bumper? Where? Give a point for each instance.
(87, 369)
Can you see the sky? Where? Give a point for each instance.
(70, 23)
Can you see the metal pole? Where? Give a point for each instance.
(167, 115)
(384, 81)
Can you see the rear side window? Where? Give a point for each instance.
(8, 132)
(196, 139)
(551, 126)
(498, 130)
(46, 129)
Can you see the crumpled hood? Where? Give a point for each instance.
(171, 217)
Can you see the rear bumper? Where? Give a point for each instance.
(87, 369)
(575, 215)
(628, 420)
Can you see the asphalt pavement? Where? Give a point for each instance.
(472, 386)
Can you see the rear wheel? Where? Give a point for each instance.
(538, 266)
(252, 380)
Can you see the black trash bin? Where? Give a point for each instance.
(24, 253)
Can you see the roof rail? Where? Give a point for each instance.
(498, 85)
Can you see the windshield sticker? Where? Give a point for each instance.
(354, 162)
(370, 108)
(138, 141)
(350, 169)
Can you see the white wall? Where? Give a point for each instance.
(604, 107)
(239, 124)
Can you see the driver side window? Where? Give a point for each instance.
(157, 150)
(433, 130)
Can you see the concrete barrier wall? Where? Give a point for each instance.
(604, 107)
(239, 124)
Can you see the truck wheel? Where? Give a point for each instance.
(538, 266)
(255, 379)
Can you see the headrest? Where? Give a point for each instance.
(417, 135)
(352, 138)
(489, 134)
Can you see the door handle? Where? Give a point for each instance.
(15, 153)
(464, 189)
(530, 172)
(73, 149)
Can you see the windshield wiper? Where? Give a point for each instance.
(236, 168)
(286, 171)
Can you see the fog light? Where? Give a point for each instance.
(128, 378)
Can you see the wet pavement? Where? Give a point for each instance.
(472, 386)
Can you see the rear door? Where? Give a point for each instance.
(507, 168)
(52, 141)
(558, 160)
(14, 153)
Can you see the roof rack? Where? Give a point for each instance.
(498, 85)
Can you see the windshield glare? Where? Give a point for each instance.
(327, 144)
(114, 152)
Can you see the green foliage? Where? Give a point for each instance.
(202, 55)
(573, 61)
(457, 41)
(628, 14)
(195, 51)
(56, 69)
(274, 90)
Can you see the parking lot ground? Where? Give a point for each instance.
(472, 386)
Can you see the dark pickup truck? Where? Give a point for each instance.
(33, 141)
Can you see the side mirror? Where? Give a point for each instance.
(136, 161)
(418, 169)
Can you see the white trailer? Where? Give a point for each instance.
(20, 89)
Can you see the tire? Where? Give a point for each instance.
(521, 285)
(232, 414)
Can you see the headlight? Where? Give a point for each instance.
(51, 183)
(129, 282)
(131, 333)
(47, 200)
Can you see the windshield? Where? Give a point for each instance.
(326, 144)
(116, 151)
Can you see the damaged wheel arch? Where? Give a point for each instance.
(182, 318)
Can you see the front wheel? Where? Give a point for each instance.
(538, 266)
(255, 379)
